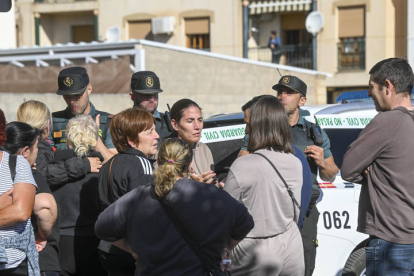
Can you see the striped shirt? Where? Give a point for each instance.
(23, 175)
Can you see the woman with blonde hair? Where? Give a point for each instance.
(177, 226)
(37, 115)
(79, 203)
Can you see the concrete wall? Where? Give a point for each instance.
(219, 85)
(385, 33)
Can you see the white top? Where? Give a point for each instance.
(23, 175)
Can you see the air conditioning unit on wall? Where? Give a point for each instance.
(163, 25)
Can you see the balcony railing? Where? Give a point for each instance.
(293, 55)
(351, 54)
(60, 1)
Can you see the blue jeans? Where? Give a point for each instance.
(387, 258)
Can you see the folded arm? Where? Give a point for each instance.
(362, 152)
(23, 197)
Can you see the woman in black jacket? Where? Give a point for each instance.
(78, 203)
(146, 221)
(135, 138)
(37, 115)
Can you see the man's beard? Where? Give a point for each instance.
(79, 111)
(143, 107)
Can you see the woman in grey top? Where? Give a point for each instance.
(274, 245)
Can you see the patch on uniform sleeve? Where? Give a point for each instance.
(57, 134)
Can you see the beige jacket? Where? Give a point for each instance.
(253, 182)
(202, 159)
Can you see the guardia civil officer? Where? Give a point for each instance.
(75, 88)
(145, 86)
(291, 91)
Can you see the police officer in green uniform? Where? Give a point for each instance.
(145, 86)
(75, 88)
(291, 91)
(314, 142)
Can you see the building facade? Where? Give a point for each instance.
(212, 25)
(356, 35)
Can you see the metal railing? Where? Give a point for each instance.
(292, 55)
(351, 54)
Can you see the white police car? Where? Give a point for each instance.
(341, 247)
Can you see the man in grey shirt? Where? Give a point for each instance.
(381, 160)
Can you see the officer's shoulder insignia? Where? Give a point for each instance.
(68, 81)
(286, 80)
(149, 82)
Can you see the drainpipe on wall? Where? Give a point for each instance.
(245, 26)
(95, 20)
(37, 28)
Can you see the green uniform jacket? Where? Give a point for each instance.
(61, 119)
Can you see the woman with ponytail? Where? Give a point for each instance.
(145, 220)
(18, 252)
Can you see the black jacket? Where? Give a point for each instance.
(77, 199)
(130, 170)
(59, 172)
(210, 215)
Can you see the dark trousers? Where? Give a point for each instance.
(309, 238)
(276, 58)
(20, 270)
(49, 273)
(118, 264)
(79, 256)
